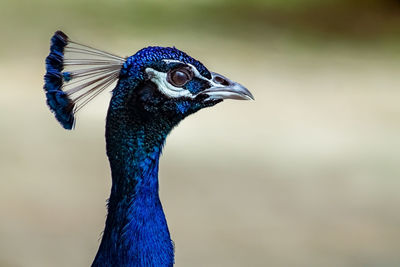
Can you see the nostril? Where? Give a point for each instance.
(220, 80)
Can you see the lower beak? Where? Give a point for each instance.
(223, 88)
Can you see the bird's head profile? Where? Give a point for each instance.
(156, 83)
(167, 83)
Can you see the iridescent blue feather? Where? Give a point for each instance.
(89, 72)
(59, 103)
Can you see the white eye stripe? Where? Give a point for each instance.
(196, 73)
(194, 69)
(172, 61)
(160, 78)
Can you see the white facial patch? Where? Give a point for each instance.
(195, 71)
(160, 78)
(220, 86)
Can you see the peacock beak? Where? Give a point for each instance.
(224, 88)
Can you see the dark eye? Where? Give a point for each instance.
(179, 77)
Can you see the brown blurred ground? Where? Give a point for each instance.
(307, 175)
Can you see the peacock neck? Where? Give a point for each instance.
(136, 231)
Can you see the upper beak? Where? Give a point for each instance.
(223, 88)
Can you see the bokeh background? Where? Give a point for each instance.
(306, 175)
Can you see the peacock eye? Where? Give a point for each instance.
(179, 77)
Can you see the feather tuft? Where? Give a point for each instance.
(75, 74)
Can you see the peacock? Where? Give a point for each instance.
(155, 89)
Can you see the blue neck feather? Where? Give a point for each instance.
(138, 121)
(136, 232)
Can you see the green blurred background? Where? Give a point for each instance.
(307, 175)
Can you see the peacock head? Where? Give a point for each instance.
(159, 82)
(165, 81)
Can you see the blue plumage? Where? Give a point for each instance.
(152, 55)
(157, 88)
(62, 99)
(57, 100)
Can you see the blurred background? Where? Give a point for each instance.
(306, 175)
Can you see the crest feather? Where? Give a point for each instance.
(75, 74)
